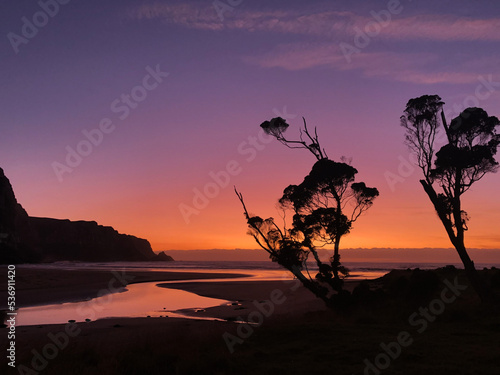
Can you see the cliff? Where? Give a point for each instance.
(33, 239)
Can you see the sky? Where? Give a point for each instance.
(142, 115)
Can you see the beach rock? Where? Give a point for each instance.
(162, 257)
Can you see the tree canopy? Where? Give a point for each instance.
(324, 207)
(466, 157)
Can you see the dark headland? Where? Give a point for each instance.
(26, 239)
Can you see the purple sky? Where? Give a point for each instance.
(228, 71)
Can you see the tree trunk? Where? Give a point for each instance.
(318, 290)
(475, 279)
(337, 283)
(480, 287)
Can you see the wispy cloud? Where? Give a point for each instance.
(299, 56)
(403, 67)
(443, 28)
(203, 16)
(322, 23)
(186, 15)
(325, 30)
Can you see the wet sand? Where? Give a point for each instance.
(37, 286)
(295, 334)
(281, 296)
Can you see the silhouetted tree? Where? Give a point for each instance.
(324, 205)
(448, 173)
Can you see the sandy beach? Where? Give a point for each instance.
(53, 286)
(48, 286)
(293, 299)
(39, 286)
(292, 333)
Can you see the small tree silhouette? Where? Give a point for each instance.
(465, 159)
(324, 205)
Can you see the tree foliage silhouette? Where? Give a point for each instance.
(324, 205)
(468, 156)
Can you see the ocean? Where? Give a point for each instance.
(358, 270)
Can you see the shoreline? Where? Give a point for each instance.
(292, 298)
(280, 297)
(257, 336)
(43, 286)
(48, 286)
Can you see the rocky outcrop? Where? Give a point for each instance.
(33, 239)
(162, 257)
(16, 235)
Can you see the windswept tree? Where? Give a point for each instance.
(467, 156)
(324, 207)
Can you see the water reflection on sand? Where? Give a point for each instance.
(140, 299)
